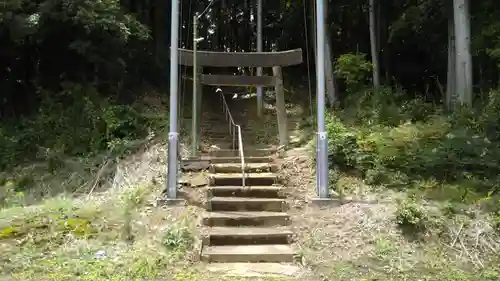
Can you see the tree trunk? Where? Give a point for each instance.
(159, 28)
(382, 43)
(463, 55)
(247, 41)
(373, 45)
(450, 99)
(146, 10)
(329, 67)
(330, 78)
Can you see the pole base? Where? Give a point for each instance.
(171, 184)
(328, 202)
(322, 188)
(177, 202)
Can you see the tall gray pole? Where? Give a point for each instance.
(173, 135)
(322, 139)
(260, 99)
(194, 122)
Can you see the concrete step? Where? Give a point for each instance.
(245, 218)
(250, 179)
(246, 204)
(248, 191)
(216, 236)
(258, 271)
(249, 168)
(194, 164)
(224, 139)
(235, 152)
(235, 159)
(217, 135)
(248, 253)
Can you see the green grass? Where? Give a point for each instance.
(118, 238)
(391, 260)
(433, 173)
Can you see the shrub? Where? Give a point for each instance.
(75, 122)
(178, 237)
(410, 214)
(342, 143)
(354, 69)
(9, 196)
(416, 142)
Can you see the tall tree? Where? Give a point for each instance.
(463, 55)
(451, 87)
(330, 78)
(329, 68)
(373, 44)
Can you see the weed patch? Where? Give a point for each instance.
(78, 239)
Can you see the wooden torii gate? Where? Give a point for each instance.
(185, 57)
(276, 60)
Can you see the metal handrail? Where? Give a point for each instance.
(233, 129)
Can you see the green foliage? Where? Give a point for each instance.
(132, 199)
(494, 209)
(84, 124)
(333, 178)
(68, 70)
(401, 143)
(411, 214)
(341, 143)
(78, 240)
(52, 42)
(387, 106)
(9, 196)
(491, 275)
(178, 237)
(354, 69)
(52, 223)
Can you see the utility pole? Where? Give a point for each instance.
(173, 135)
(194, 114)
(260, 98)
(322, 138)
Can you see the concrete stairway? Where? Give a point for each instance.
(245, 224)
